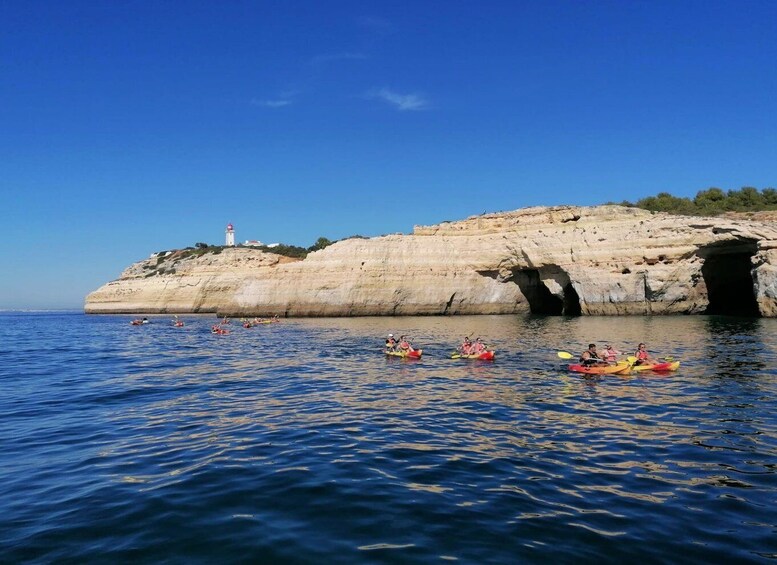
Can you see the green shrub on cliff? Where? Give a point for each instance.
(320, 243)
(286, 250)
(711, 202)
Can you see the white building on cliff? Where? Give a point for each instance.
(230, 233)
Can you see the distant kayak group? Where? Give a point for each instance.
(607, 363)
(467, 350)
(259, 321)
(220, 328)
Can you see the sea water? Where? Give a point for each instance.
(300, 442)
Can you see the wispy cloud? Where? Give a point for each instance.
(271, 103)
(283, 99)
(401, 102)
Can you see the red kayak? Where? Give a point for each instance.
(485, 356)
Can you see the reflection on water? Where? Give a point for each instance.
(302, 442)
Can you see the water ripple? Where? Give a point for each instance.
(300, 442)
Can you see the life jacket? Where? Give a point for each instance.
(609, 355)
(592, 358)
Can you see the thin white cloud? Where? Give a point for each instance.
(271, 103)
(284, 99)
(402, 102)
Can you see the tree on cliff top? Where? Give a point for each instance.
(711, 202)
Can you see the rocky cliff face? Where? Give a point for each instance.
(571, 260)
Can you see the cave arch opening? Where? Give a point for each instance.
(727, 273)
(542, 300)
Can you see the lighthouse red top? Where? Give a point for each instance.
(229, 227)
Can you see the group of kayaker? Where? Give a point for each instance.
(403, 344)
(591, 357)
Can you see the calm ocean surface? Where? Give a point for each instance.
(300, 442)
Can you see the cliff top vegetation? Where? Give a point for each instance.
(710, 202)
(200, 248)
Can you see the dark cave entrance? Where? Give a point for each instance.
(727, 272)
(541, 300)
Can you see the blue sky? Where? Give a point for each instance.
(132, 127)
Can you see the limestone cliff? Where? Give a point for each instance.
(553, 260)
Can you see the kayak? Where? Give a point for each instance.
(485, 356)
(620, 368)
(219, 331)
(666, 366)
(415, 354)
(178, 324)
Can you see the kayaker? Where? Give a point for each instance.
(404, 344)
(478, 347)
(642, 355)
(610, 354)
(590, 357)
(466, 347)
(391, 343)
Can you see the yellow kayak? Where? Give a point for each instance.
(620, 368)
(414, 354)
(666, 366)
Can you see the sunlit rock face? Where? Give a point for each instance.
(604, 260)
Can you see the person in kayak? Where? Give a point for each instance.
(404, 344)
(478, 347)
(466, 347)
(610, 354)
(391, 343)
(590, 357)
(643, 357)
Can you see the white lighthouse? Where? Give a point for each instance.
(230, 231)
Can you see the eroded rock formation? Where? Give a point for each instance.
(600, 260)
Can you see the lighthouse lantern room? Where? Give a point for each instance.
(230, 231)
